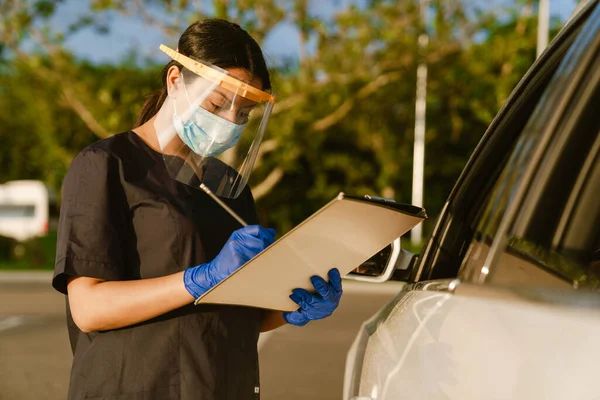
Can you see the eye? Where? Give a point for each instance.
(243, 116)
(216, 107)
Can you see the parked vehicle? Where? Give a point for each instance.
(24, 209)
(502, 303)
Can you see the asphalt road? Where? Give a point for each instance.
(296, 363)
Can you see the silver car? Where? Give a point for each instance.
(502, 301)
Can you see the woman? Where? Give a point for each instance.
(138, 241)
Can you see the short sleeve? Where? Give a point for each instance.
(92, 220)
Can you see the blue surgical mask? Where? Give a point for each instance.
(205, 133)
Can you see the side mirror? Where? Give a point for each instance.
(390, 263)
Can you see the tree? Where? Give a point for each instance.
(344, 115)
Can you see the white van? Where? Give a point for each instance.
(24, 208)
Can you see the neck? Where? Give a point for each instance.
(147, 133)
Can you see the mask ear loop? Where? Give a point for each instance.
(174, 98)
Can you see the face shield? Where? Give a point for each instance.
(210, 127)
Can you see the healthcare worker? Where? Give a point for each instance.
(138, 240)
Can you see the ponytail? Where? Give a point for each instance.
(151, 106)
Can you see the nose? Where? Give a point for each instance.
(231, 115)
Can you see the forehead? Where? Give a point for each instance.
(245, 76)
(198, 87)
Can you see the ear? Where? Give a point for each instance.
(173, 81)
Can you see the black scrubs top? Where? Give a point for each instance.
(122, 218)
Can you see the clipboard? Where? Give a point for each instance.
(343, 234)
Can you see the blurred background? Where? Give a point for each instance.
(348, 75)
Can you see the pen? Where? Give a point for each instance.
(223, 205)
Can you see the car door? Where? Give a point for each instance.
(495, 312)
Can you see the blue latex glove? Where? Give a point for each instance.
(241, 246)
(317, 306)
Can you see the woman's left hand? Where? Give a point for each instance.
(316, 306)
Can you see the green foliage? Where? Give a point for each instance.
(344, 118)
(40, 130)
(7, 248)
(35, 253)
(363, 80)
(44, 8)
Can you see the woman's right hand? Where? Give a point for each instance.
(241, 247)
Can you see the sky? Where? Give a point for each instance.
(128, 33)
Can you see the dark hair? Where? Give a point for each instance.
(218, 42)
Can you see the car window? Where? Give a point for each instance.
(540, 224)
(557, 231)
(469, 212)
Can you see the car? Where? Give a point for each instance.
(502, 301)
